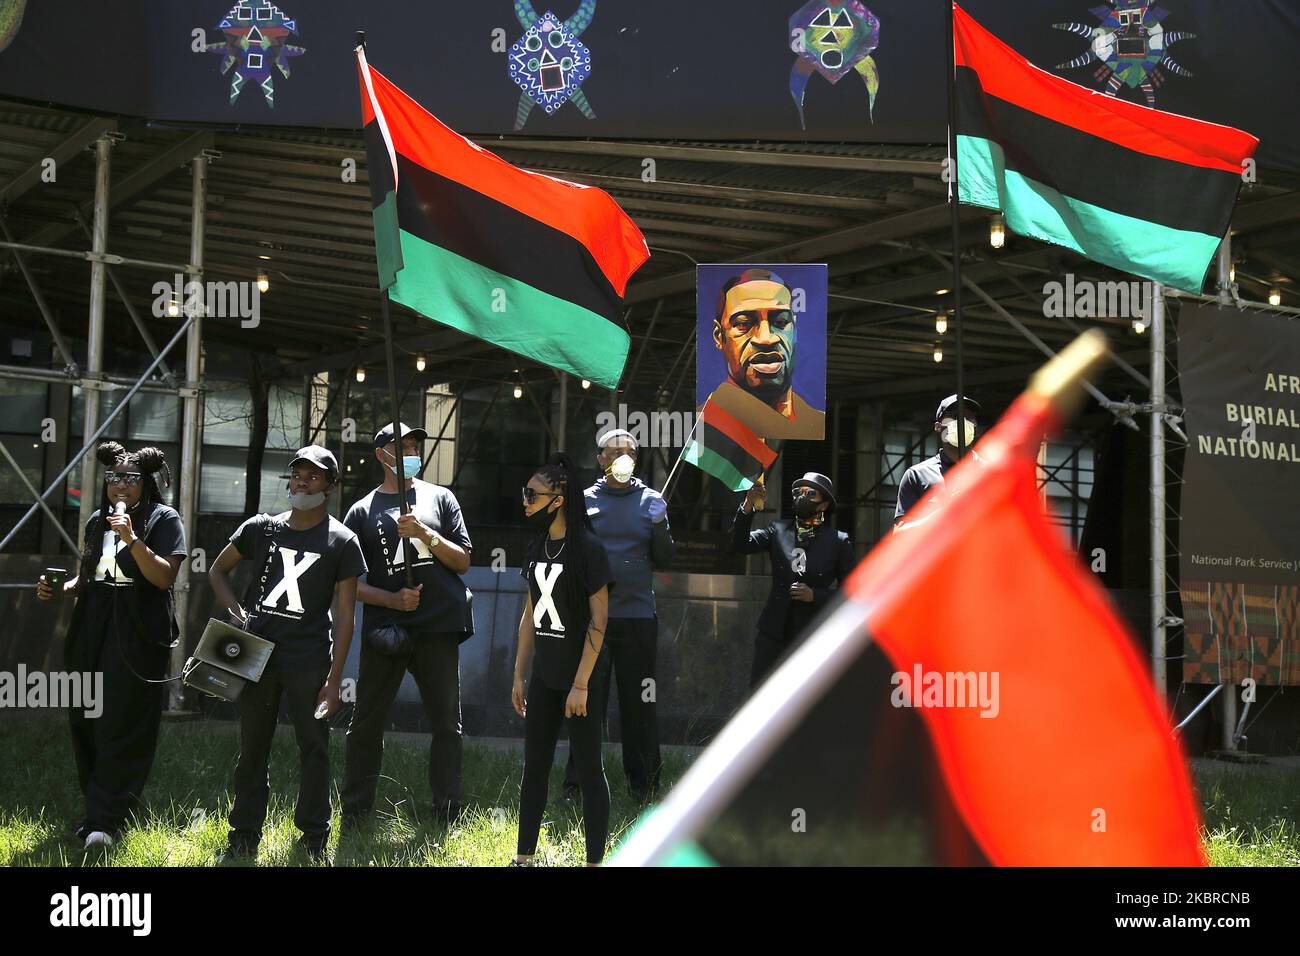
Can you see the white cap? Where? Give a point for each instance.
(607, 439)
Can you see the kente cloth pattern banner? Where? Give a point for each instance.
(1240, 529)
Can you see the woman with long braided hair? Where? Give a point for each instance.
(122, 626)
(560, 635)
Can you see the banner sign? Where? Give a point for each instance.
(761, 346)
(859, 71)
(1240, 527)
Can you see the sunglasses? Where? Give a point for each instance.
(804, 492)
(123, 478)
(530, 495)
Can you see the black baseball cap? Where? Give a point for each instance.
(971, 406)
(322, 458)
(385, 434)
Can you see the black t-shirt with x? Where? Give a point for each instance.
(561, 611)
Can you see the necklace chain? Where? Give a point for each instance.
(547, 551)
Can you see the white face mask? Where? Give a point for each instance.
(622, 468)
(949, 434)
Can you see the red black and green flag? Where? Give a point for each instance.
(1131, 187)
(726, 449)
(533, 264)
(970, 698)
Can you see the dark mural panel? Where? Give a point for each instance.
(673, 69)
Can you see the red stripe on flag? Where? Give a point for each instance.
(730, 426)
(1006, 74)
(586, 213)
(1078, 767)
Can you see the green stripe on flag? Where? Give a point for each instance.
(388, 250)
(484, 303)
(688, 854)
(717, 466)
(1175, 257)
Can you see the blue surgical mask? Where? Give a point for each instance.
(410, 465)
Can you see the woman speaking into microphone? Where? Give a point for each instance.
(122, 626)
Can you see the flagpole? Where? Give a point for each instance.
(954, 202)
(681, 454)
(399, 466)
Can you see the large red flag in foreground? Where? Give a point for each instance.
(1046, 731)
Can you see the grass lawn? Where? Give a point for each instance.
(1251, 814)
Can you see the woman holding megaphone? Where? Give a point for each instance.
(122, 626)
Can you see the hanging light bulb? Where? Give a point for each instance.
(420, 362)
(941, 323)
(938, 353)
(173, 306)
(586, 384)
(1140, 326)
(1275, 297)
(263, 282)
(1232, 273)
(361, 374)
(519, 390)
(997, 232)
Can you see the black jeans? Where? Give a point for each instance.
(434, 661)
(259, 709)
(630, 649)
(541, 731)
(114, 752)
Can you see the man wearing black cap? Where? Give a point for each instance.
(810, 559)
(924, 475)
(416, 612)
(305, 560)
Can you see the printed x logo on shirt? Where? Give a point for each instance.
(547, 575)
(107, 569)
(292, 571)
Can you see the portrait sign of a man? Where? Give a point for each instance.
(762, 346)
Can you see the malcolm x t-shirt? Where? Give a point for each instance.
(562, 612)
(289, 602)
(444, 602)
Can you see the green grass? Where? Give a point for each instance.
(1251, 814)
(188, 798)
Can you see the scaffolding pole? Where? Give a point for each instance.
(192, 421)
(1158, 558)
(95, 327)
(94, 437)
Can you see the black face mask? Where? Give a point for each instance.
(540, 519)
(805, 507)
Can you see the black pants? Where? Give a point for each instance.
(259, 709)
(541, 731)
(115, 751)
(630, 648)
(433, 659)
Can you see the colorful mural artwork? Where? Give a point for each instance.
(549, 62)
(256, 40)
(833, 38)
(1130, 47)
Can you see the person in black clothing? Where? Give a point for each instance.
(122, 626)
(924, 475)
(430, 607)
(560, 635)
(306, 560)
(810, 559)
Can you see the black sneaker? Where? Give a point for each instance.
(239, 850)
(316, 847)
